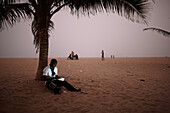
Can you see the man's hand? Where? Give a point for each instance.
(48, 78)
(57, 77)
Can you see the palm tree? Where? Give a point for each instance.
(43, 10)
(161, 31)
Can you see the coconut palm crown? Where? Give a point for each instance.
(43, 10)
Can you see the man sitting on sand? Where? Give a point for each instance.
(53, 81)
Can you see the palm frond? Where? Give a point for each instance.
(161, 31)
(8, 1)
(135, 10)
(12, 13)
(36, 29)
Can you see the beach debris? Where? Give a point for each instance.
(168, 66)
(142, 80)
(84, 92)
(81, 71)
(92, 80)
(64, 91)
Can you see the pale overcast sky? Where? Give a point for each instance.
(87, 37)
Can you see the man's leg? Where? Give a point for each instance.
(52, 86)
(66, 85)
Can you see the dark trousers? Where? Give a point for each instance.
(65, 84)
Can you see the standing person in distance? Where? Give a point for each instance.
(102, 55)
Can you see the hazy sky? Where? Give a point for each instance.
(88, 36)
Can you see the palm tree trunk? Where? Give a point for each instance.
(43, 28)
(43, 53)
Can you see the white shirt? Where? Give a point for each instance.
(47, 71)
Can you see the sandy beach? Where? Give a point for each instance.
(119, 85)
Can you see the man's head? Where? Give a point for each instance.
(53, 63)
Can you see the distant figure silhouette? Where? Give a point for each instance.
(72, 56)
(113, 56)
(102, 55)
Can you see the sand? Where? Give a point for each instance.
(119, 85)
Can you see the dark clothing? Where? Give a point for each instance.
(51, 86)
(73, 57)
(65, 84)
(102, 55)
(55, 85)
